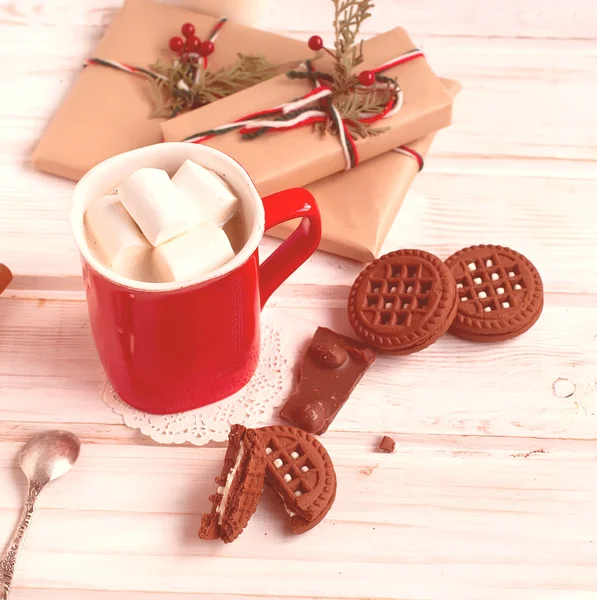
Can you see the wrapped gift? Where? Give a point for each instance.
(286, 158)
(109, 111)
(359, 207)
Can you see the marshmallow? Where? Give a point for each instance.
(116, 235)
(494, 277)
(288, 478)
(210, 195)
(278, 463)
(268, 450)
(202, 250)
(294, 455)
(159, 208)
(482, 294)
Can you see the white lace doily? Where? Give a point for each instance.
(253, 405)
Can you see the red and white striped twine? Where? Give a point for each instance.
(272, 119)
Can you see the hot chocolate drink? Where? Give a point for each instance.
(154, 228)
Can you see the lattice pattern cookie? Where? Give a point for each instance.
(403, 302)
(500, 293)
(301, 472)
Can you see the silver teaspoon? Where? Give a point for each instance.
(45, 457)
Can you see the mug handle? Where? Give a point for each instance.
(300, 245)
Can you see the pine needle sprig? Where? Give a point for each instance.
(354, 106)
(348, 18)
(186, 85)
(246, 72)
(349, 98)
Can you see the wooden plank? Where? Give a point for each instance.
(524, 18)
(19, 593)
(521, 520)
(49, 373)
(490, 118)
(506, 107)
(553, 222)
(491, 491)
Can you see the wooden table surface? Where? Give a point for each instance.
(492, 491)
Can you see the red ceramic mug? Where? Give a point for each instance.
(171, 347)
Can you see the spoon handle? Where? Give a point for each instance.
(9, 558)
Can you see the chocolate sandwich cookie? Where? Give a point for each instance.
(331, 368)
(5, 277)
(301, 472)
(403, 302)
(239, 486)
(500, 293)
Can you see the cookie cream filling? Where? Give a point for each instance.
(229, 479)
(290, 513)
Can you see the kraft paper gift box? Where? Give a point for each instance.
(108, 111)
(358, 207)
(298, 157)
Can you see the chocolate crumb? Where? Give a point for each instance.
(387, 444)
(368, 470)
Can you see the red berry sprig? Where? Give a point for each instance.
(366, 78)
(176, 44)
(188, 30)
(206, 48)
(315, 43)
(191, 43)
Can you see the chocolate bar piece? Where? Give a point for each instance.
(5, 277)
(331, 369)
(387, 444)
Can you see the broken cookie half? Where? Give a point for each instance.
(288, 460)
(302, 474)
(239, 486)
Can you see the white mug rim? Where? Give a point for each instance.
(208, 157)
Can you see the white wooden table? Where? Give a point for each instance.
(492, 491)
